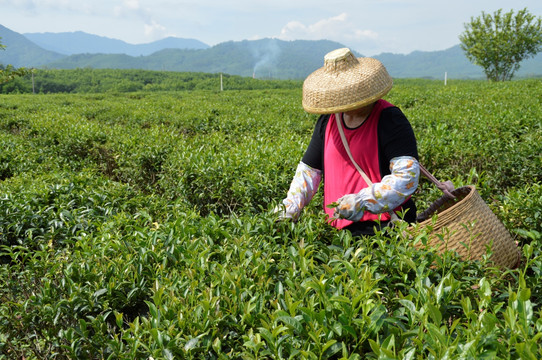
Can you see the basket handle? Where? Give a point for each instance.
(446, 187)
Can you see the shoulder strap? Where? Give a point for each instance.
(347, 148)
(394, 216)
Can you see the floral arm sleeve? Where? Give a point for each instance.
(302, 189)
(384, 196)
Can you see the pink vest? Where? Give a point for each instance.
(341, 177)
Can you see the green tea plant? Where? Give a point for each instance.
(140, 225)
(87, 80)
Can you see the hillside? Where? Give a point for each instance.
(22, 52)
(433, 64)
(267, 58)
(263, 59)
(70, 43)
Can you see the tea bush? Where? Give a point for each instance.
(87, 80)
(140, 225)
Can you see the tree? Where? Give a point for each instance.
(9, 72)
(499, 42)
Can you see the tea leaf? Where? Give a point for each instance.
(292, 322)
(332, 205)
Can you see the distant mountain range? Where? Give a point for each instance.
(70, 43)
(20, 51)
(266, 58)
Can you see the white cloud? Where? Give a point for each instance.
(337, 28)
(152, 29)
(132, 4)
(37, 6)
(130, 7)
(155, 30)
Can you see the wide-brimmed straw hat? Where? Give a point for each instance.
(345, 83)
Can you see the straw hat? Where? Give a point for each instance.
(345, 83)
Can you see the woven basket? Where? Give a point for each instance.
(467, 226)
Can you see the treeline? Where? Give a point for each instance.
(121, 81)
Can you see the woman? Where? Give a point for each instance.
(378, 135)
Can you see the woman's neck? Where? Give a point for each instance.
(354, 118)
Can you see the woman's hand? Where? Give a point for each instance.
(350, 207)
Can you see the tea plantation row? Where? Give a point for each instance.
(50, 81)
(140, 226)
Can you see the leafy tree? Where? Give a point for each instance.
(8, 72)
(499, 42)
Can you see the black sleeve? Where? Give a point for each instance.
(315, 151)
(395, 138)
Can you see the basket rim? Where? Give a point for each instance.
(472, 190)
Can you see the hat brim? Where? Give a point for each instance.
(326, 92)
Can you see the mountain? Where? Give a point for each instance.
(452, 61)
(265, 58)
(19, 50)
(273, 58)
(70, 43)
(431, 64)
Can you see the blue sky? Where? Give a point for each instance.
(370, 27)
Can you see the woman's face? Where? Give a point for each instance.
(360, 111)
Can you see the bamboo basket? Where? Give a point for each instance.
(467, 226)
